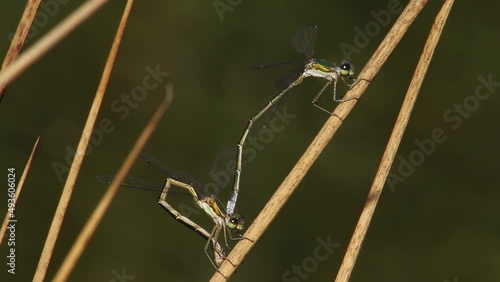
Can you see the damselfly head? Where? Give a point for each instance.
(236, 221)
(346, 69)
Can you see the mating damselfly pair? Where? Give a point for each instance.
(226, 220)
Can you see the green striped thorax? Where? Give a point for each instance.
(327, 70)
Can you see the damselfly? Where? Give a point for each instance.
(208, 203)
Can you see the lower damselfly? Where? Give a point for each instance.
(224, 221)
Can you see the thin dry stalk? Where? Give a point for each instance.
(42, 46)
(17, 43)
(18, 190)
(91, 225)
(392, 146)
(283, 193)
(80, 152)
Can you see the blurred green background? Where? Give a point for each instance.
(442, 222)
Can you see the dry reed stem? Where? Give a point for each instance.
(366, 216)
(19, 188)
(80, 153)
(285, 190)
(91, 225)
(17, 43)
(42, 46)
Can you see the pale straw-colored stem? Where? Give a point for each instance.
(55, 227)
(366, 216)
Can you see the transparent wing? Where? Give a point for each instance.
(132, 182)
(141, 184)
(177, 175)
(158, 165)
(286, 79)
(259, 67)
(303, 40)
